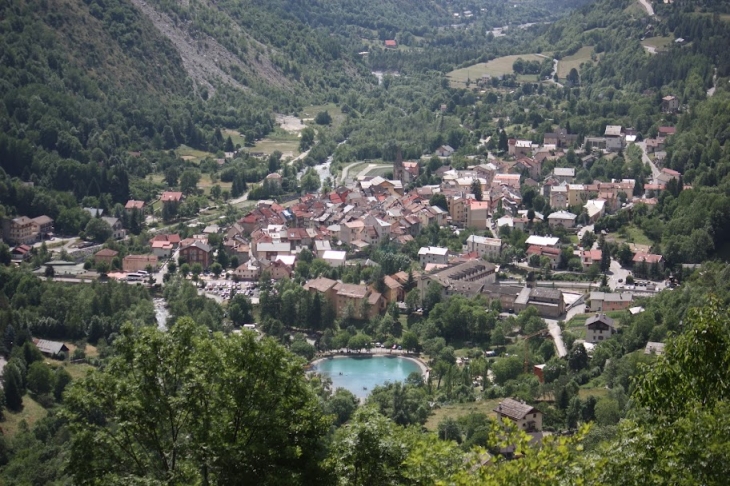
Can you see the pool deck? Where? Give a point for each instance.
(375, 353)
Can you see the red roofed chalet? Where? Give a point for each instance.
(391, 43)
(169, 196)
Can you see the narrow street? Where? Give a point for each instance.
(654, 169)
(557, 336)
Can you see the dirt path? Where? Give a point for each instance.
(648, 7)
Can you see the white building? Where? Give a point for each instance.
(483, 246)
(433, 254)
(549, 241)
(335, 258)
(321, 246)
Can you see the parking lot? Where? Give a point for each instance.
(224, 289)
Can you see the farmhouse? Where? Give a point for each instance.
(50, 348)
(526, 417)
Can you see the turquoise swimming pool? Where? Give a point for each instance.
(360, 374)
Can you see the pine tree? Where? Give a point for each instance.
(13, 387)
(476, 189)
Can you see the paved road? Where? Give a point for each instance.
(654, 169)
(555, 69)
(163, 269)
(574, 311)
(583, 230)
(557, 336)
(345, 171)
(615, 274)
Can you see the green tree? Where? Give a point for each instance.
(432, 297)
(358, 341)
(40, 378)
(307, 139)
(605, 264)
(240, 310)
(439, 200)
(506, 369)
(607, 411)
(13, 385)
(98, 230)
(184, 406)
(171, 176)
(476, 189)
(189, 181)
(301, 347)
(61, 381)
(323, 118)
(310, 181)
(409, 341)
(342, 404)
(216, 269)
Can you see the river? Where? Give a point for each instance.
(161, 313)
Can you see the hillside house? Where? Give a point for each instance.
(599, 328)
(649, 259)
(670, 104)
(133, 205)
(50, 348)
(666, 132)
(171, 197)
(444, 151)
(526, 417)
(118, 231)
(589, 258)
